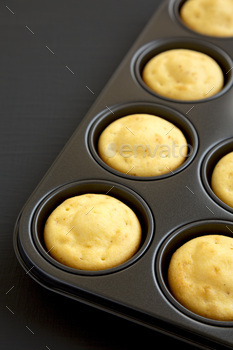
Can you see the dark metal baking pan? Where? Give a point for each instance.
(172, 208)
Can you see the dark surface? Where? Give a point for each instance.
(42, 102)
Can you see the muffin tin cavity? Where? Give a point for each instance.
(107, 117)
(175, 8)
(209, 163)
(175, 241)
(152, 49)
(127, 196)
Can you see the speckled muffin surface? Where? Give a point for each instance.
(222, 179)
(183, 74)
(92, 232)
(143, 145)
(209, 17)
(200, 276)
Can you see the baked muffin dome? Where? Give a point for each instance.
(200, 276)
(92, 232)
(143, 145)
(183, 74)
(209, 17)
(222, 179)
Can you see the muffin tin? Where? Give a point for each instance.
(172, 208)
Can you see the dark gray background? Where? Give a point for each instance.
(42, 102)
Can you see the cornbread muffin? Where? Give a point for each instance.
(183, 74)
(209, 17)
(222, 179)
(200, 276)
(92, 232)
(142, 145)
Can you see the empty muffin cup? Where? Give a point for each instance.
(91, 227)
(143, 141)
